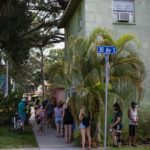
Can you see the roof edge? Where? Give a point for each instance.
(69, 11)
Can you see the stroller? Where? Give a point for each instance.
(16, 124)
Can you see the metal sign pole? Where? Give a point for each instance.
(106, 96)
(106, 50)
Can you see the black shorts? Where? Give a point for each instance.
(132, 130)
(118, 127)
(67, 121)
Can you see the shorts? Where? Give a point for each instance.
(132, 130)
(82, 126)
(22, 117)
(58, 121)
(67, 121)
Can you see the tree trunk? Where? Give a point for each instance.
(42, 73)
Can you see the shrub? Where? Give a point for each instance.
(8, 106)
(143, 127)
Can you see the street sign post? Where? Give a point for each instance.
(106, 50)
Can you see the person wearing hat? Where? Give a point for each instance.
(22, 110)
(133, 122)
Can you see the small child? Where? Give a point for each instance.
(41, 118)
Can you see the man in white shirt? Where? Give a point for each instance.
(133, 122)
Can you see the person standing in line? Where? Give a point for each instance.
(133, 122)
(41, 118)
(85, 119)
(44, 103)
(22, 110)
(58, 111)
(116, 125)
(49, 113)
(36, 107)
(67, 121)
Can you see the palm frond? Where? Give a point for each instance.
(124, 39)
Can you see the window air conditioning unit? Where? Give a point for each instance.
(123, 16)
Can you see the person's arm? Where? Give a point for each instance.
(54, 111)
(129, 114)
(63, 112)
(137, 118)
(81, 114)
(116, 122)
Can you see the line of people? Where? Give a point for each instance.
(60, 114)
(116, 125)
(47, 114)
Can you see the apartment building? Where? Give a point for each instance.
(120, 16)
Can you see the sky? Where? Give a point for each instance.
(59, 45)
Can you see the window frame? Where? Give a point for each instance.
(130, 13)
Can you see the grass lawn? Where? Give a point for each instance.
(14, 140)
(128, 148)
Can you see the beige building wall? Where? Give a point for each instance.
(99, 13)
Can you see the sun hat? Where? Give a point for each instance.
(24, 95)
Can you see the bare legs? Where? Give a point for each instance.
(42, 129)
(83, 137)
(89, 137)
(114, 138)
(58, 129)
(68, 133)
(86, 132)
(132, 140)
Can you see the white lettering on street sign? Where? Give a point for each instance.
(106, 49)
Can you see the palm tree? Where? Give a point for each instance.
(85, 69)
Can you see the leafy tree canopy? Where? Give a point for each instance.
(27, 24)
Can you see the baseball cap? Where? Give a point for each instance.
(133, 103)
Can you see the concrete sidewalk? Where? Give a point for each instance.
(49, 141)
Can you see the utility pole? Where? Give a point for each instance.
(6, 92)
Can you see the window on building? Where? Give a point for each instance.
(124, 11)
(79, 18)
